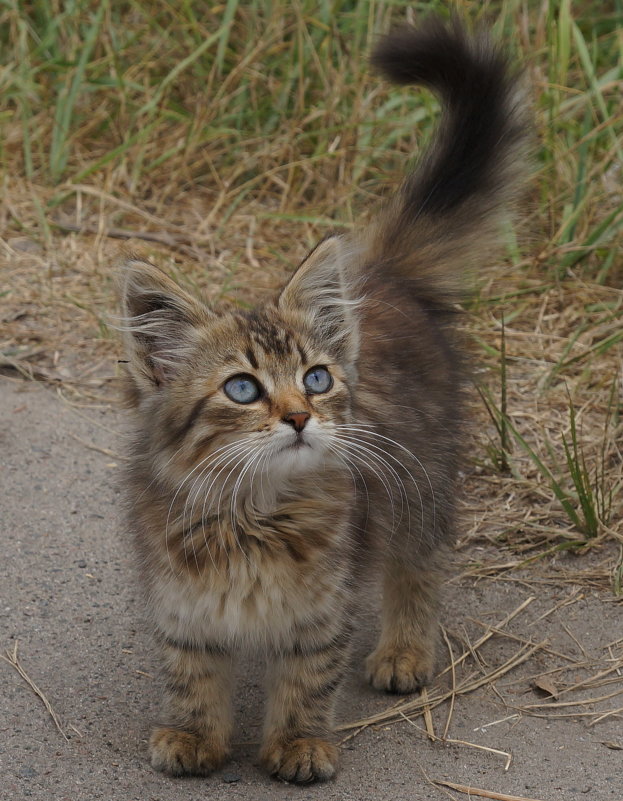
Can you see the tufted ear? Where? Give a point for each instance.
(322, 291)
(160, 323)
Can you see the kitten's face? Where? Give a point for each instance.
(259, 383)
(242, 393)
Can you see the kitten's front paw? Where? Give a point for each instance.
(399, 670)
(180, 753)
(304, 760)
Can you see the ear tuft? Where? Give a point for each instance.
(160, 322)
(321, 289)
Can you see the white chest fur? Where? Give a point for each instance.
(250, 601)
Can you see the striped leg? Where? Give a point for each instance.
(404, 659)
(304, 680)
(195, 738)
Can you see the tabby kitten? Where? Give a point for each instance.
(278, 451)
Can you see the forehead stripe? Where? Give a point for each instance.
(251, 358)
(302, 353)
(271, 340)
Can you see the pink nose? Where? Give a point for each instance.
(297, 420)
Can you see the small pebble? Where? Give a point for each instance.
(27, 773)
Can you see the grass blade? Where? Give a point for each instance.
(66, 101)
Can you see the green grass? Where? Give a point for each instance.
(207, 82)
(278, 88)
(498, 449)
(584, 495)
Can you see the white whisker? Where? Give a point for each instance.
(379, 472)
(229, 456)
(204, 465)
(262, 460)
(172, 503)
(350, 466)
(244, 456)
(359, 429)
(237, 485)
(371, 448)
(224, 460)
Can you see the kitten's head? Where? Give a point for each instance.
(264, 388)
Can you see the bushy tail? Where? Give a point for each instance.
(445, 216)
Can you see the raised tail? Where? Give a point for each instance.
(445, 216)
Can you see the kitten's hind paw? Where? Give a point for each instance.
(304, 760)
(181, 753)
(399, 670)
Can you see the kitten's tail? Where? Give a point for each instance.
(446, 214)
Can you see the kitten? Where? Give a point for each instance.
(278, 451)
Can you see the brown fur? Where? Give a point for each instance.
(251, 532)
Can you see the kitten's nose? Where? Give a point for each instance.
(297, 420)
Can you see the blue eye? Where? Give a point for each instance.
(242, 389)
(317, 380)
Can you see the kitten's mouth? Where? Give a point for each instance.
(298, 444)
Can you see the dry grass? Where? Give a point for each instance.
(12, 659)
(480, 793)
(516, 677)
(228, 144)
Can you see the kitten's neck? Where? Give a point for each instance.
(257, 496)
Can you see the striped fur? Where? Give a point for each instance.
(255, 520)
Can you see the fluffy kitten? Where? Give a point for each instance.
(278, 451)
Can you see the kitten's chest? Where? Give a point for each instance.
(253, 584)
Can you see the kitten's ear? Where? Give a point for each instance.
(322, 291)
(160, 323)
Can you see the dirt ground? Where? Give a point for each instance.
(70, 605)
